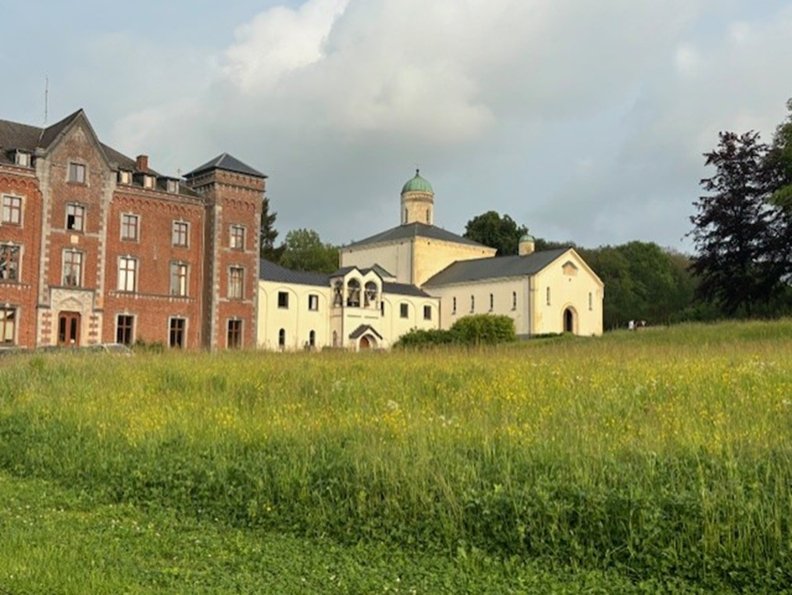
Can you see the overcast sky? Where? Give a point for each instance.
(584, 120)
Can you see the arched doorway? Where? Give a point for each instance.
(367, 342)
(569, 320)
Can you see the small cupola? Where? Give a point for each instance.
(527, 244)
(417, 201)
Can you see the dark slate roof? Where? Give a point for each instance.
(414, 230)
(381, 272)
(269, 271)
(228, 163)
(479, 269)
(363, 328)
(50, 133)
(403, 289)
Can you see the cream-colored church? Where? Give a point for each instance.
(417, 275)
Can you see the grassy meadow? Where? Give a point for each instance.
(659, 459)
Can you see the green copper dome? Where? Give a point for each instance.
(417, 184)
(527, 238)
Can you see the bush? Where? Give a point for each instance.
(484, 329)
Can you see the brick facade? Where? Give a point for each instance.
(97, 247)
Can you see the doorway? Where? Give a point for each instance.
(569, 320)
(69, 329)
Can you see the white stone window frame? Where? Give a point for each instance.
(180, 224)
(124, 177)
(79, 215)
(236, 291)
(124, 238)
(132, 330)
(237, 233)
(182, 286)
(19, 253)
(11, 198)
(4, 310)
(127, 273)
(77, 172)
(241, 322)
(184, 331)
(78, 282)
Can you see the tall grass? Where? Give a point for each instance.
(661, 452)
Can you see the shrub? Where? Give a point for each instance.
(484, 329)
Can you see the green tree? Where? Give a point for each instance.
(495, 231)
(303, 250)
(733, 229)
(268, 234)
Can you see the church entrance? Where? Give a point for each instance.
(569, 320)
(366, 342)
(69, 329)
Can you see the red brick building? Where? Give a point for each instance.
(96, 247)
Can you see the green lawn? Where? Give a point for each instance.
(56, 540)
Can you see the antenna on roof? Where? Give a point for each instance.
(46, 99)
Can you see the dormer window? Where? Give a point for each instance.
(124, 177)
(22, 159)
(148, 181)
(172, 186)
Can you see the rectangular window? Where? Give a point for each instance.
(236, 279)
(77, 173)
(313, 302)
(237, 239)
(181, 230)
(492, 302)
(9, 263)
(12, 210)
(283, 299)
(125, 324)
(72, 268)
(591, 301)
(472, 303)
(453, 305)
(8, 318)
(22, 159)
(514, 300)
(127, 273)
(129, 227)
(404, 310)
(548, 296)
(172, 186)
(427, 312)
(234, 334)
(178, 278)
(148, 181)
(124, 177)
(75, 217)
(176, 332)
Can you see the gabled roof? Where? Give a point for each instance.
(414, 230)
(269, 271)
(50, 133)
(362, 329)
(480, 269)
(228, 163)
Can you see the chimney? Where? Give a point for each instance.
(142, 163)
(526, 245)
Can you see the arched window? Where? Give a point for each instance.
(370, 294)
(453, 305)
(353, 293)
(282, 338)
(472, 303)
(338, 294)
(514, 300)
(548, 296)
(335, 339)
(591, 301)
(312, 338)
(427, 215)
(492, 302)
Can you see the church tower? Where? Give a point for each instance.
(417, 201)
